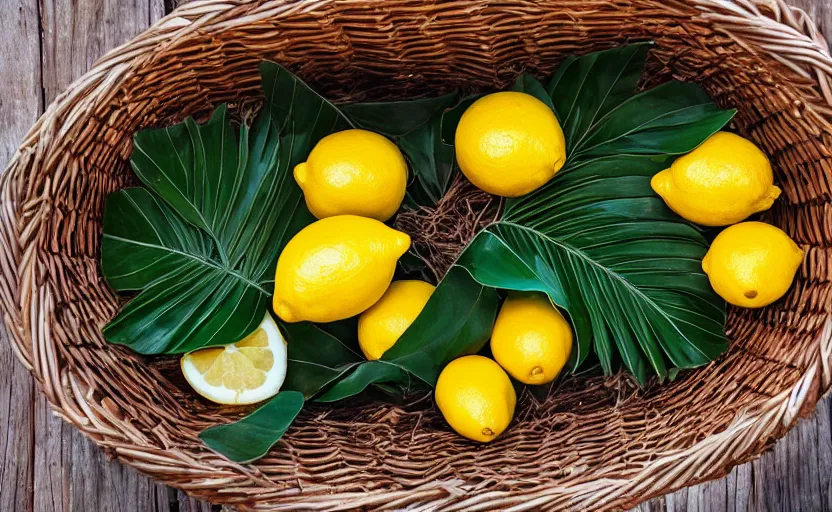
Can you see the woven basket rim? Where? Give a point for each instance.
(784, 33)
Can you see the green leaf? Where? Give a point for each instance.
(457, 320)
(586, 88)
(204, 238)
(606, 249)
(367, 373)
(451, 117)
(398, 118)
(432, 162)
(528, 84)
(253, 436)
(303, 116)
(316, 358)
(594, 97)
(514, 273)
(670, 119)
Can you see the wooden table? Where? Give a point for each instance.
(46, 466)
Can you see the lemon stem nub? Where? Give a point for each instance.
(300, 173)
(487, 432)
(751, 294)
(537, 371)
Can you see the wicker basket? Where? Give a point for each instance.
(593, 443)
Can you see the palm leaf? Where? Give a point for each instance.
(456, 320)
(202, 240)
(597, 239)
(609, 252)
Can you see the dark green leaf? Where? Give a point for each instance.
(431, 160)
(528, 84)
(204, 240)
(670, 119)
(414, 125)
(411, 266)
(253, 436)
(513, 273)
(303, 116)
(367, 373)
(398, 118)
(608, 251)
(457, 320)
(188, 299)
(554, 82)
(316, 358)
(451, 117)
(585, 88)
(345, 332)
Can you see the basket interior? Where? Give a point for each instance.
(583, 431)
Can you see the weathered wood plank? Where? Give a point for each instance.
(795, 475)
(95, 26)
(53, 453)
(71, 474)
(188, 504)
(78, 477)
(739, 489)
(820, 11)
(20, 106)
(823, 419)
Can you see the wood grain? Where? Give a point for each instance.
(38, 451)
(820, 11)
(796, 475)
(20, 105)
(47, 466)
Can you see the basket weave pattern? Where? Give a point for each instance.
(592, 442)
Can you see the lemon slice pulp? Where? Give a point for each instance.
(245, 372)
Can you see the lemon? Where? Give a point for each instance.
(476, 397)
(381, 326)
(336, 268)
(246, 372)
(752, 264)
(723, 181)
(353, 172)
(509, 143)
(531, 339)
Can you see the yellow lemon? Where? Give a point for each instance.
(336, 268)
(381, 326)
(723, 181)
(752, 264)
(509, 143)
(246, 372)
(531, 339)
(353, 172)
(476, 397)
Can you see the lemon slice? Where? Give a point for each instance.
(245, 372)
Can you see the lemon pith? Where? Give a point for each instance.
(246, 372)
(531, 339)
(383, 324)
(752, 264)
(721, 182)
(353, 172)
(336, 268)
(509, 143)
(476, 397)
